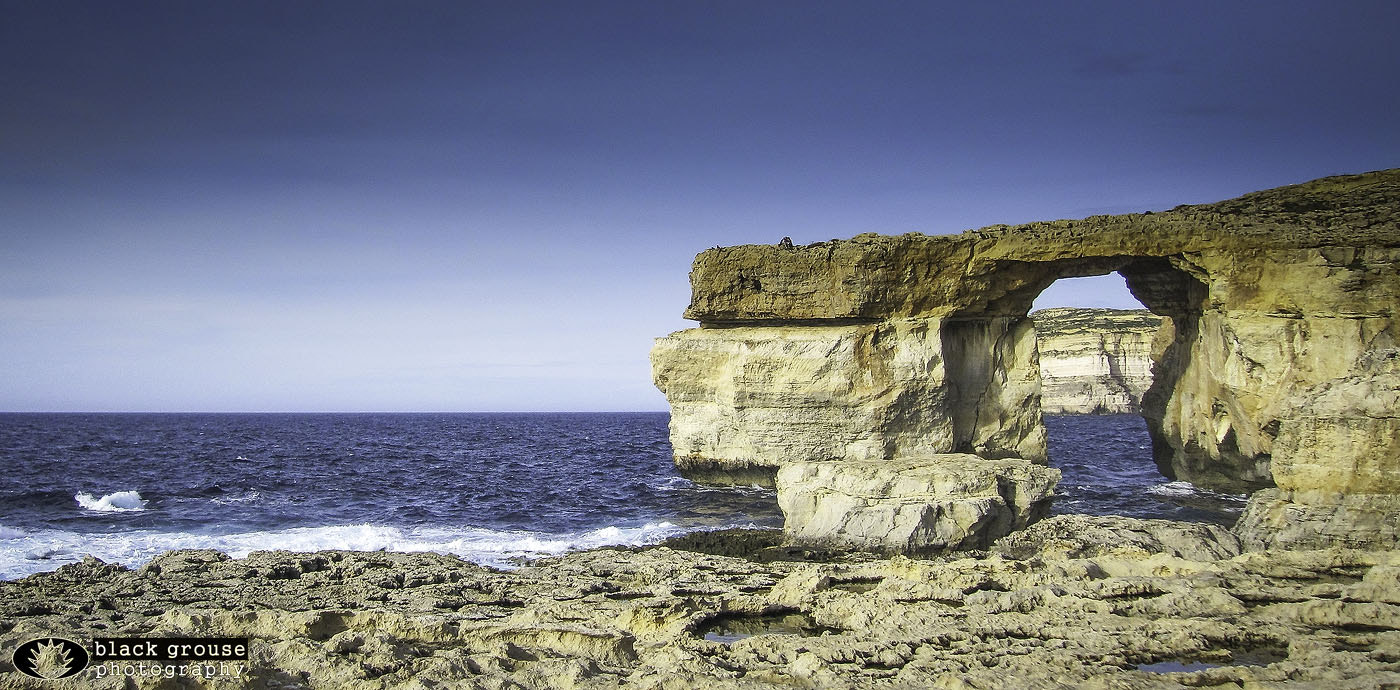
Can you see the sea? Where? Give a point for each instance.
(496, 489)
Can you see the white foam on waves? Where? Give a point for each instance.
(682, 484)
(25, 552)
(249, 496)
(1173, 489)
(118, 502)
(1184, 489)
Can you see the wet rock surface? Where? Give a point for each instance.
(1070, 602)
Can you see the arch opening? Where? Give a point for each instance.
(994, 365)
(1096, 345)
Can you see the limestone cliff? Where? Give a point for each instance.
(745, 401)
(877, 346)
(1094, 361)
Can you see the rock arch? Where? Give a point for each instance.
(1228, 447)
(878, 347)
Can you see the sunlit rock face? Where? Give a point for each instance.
(1094, 361)
(912, 504)
(876, 346)
(1337, 465)
(747, 400)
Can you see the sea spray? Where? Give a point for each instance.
(24, 552)
(118, 502)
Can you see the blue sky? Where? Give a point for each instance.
(474, 206)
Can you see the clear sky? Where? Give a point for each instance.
(476, 206)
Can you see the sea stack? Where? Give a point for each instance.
(1270, 375)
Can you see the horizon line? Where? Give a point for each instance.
(419, 412)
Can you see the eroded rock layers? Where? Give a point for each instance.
(910, 505)
(1071, 602)
(1095, 361)
(881, 347)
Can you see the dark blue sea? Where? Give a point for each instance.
(1107, 469)
(492, 488)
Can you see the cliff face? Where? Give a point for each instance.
(923, 341)
(1094, 361)
(745, 401)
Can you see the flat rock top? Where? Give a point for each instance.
(880, 276)
(1070, 600)
(1063, 321)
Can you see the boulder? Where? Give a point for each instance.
(912, 505)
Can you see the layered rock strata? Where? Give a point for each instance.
(1337, 465)
(1070, 602)
(745, 401)
(1095, 361)
(878, 347)
(912, 505)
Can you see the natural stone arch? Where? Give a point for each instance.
(975, 341)
(878, 348)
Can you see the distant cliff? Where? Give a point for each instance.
(1094, 361)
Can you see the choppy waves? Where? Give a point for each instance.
(1108, 469)
(492, 488)
(25, 552)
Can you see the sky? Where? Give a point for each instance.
(493, 206)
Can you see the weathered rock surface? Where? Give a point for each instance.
(1087, 536)
(1337, 465)
(920, 344)
(745, 401)
(1000, 269)
(1095, 361)
(1077, 613)
(911, 505)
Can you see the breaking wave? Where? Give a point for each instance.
(25, 552)
(118, 502)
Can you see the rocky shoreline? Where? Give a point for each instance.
(889, 388)
(1072, 601)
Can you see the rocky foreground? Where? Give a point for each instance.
(1072, 601)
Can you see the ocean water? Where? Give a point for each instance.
(1107, 469)
(492, 488)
